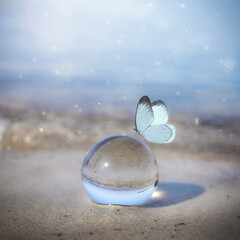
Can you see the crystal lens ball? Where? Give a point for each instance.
(120, 170)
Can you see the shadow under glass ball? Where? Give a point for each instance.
(120, 170)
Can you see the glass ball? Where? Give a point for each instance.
(120, 170)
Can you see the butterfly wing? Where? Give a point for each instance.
(160, 113)
(144, 114)
(173, 133)
(163, 133)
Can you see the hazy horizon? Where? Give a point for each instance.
(183, 52)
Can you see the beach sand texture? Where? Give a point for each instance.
(42, 196)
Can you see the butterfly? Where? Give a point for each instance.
(151, 121)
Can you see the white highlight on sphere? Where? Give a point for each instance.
(158, 194)
(178, 93)
(54, 47)
(20, 76)
(34, 59)
(41, 129)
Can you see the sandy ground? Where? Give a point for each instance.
(26, 129)
(42, 197)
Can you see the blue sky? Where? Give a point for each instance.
(187, 44)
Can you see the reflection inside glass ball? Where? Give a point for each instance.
(120, 170)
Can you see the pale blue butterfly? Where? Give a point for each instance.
(151, 119)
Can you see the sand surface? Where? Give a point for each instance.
(42, 197)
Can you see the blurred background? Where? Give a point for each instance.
(72, 72)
